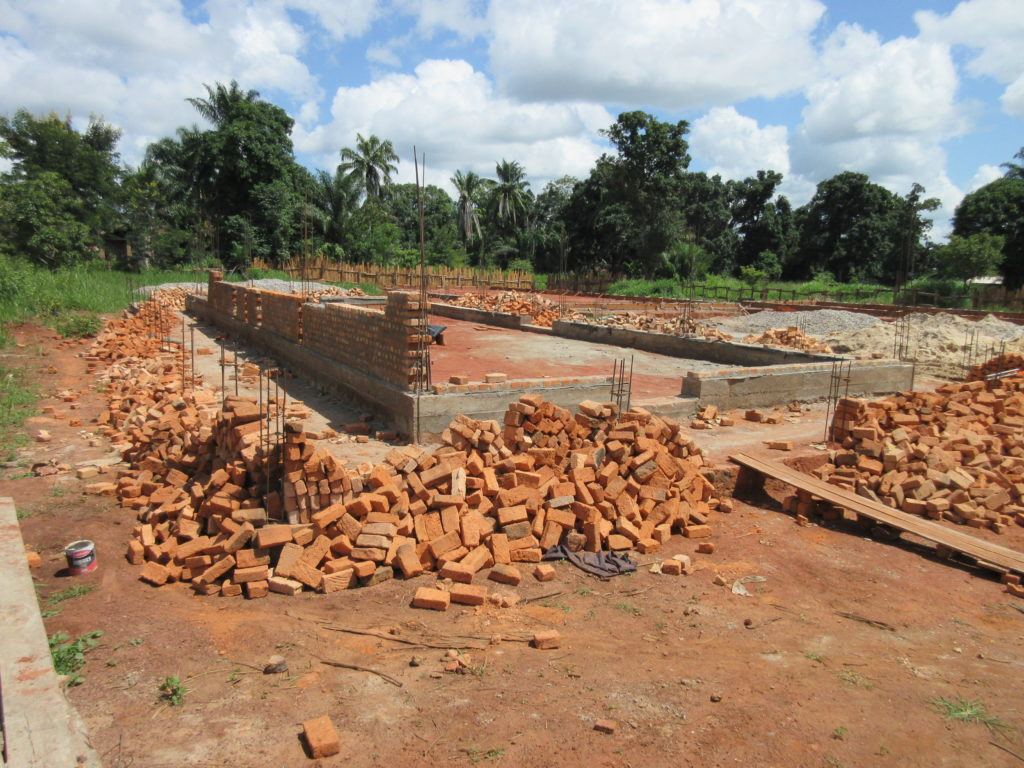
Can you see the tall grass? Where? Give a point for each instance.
(731, 288)
(30, 292)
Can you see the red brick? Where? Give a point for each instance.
(321, 737)
(431, 599)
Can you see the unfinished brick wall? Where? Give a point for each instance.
(282, 313)
(220, 295)
(382, 344)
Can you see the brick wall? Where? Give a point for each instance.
(282, 314)
(383, 344)
(220, 295)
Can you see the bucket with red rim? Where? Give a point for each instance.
(81, 557)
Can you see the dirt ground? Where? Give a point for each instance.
(693, 674)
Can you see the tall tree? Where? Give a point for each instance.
(373, 161)
(1015, 170)
(997, 209)
(80, 172)
(335, 197)
(510, 194)
(471, 190)
(222, 101)
(852, 228)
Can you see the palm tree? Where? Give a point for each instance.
(511, 192)
(221, 102)
(470, 187)
(335, 197)
(372, 162)
(1015, 170)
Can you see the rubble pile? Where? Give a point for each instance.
(791, 337)
(954, 454)
(542, 312)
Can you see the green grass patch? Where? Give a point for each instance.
(78, 325)
(69, 655)
(17, 402)
(725, 288)
(967, 711)
(70, 593)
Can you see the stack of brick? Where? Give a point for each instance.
(953, 454)
(998, 364)
(792, 338)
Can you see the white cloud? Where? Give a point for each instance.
(870, 88)
(674, 54)
(135, 63)
(461, 17)
(994, 29)
(884, 109)
(451, 112)
(735, 146)
(985, 174)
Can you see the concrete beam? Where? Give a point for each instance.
(689, 347)
(40, 727)
(759, 387)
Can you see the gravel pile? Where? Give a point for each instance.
(818, 322)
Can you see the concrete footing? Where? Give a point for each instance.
(40, 727)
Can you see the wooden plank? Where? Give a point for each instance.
(985, 553)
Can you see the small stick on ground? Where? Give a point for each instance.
(1008, 751)
(542, 597)
(870, 622)
(357, 668)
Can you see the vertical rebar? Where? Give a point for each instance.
(192, 346)
(223, 383)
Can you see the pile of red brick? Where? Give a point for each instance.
(542, 312)
(673, 326)
(997, 364)
(494, 496)
(792, 338)
(954, 454)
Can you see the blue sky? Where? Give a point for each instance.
(918, 90)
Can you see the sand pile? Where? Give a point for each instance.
(936, 342)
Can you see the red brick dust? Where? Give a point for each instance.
(693, 674)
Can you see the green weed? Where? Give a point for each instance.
(856, 679)
(840, 732)
(967, 711)
(173, 691)
(69, 655)
(70, 593)
(629, 608)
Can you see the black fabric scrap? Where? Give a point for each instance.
(601, 564)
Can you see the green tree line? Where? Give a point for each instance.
(233, 192)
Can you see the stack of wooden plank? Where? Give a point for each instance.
(792, 338)
(955, 454)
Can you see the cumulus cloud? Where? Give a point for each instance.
(885, 109)
(735, 146)
(994, 30)
(985, 174)
(135, 63)
(462, 17)
(451, 112)
(673, 54)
